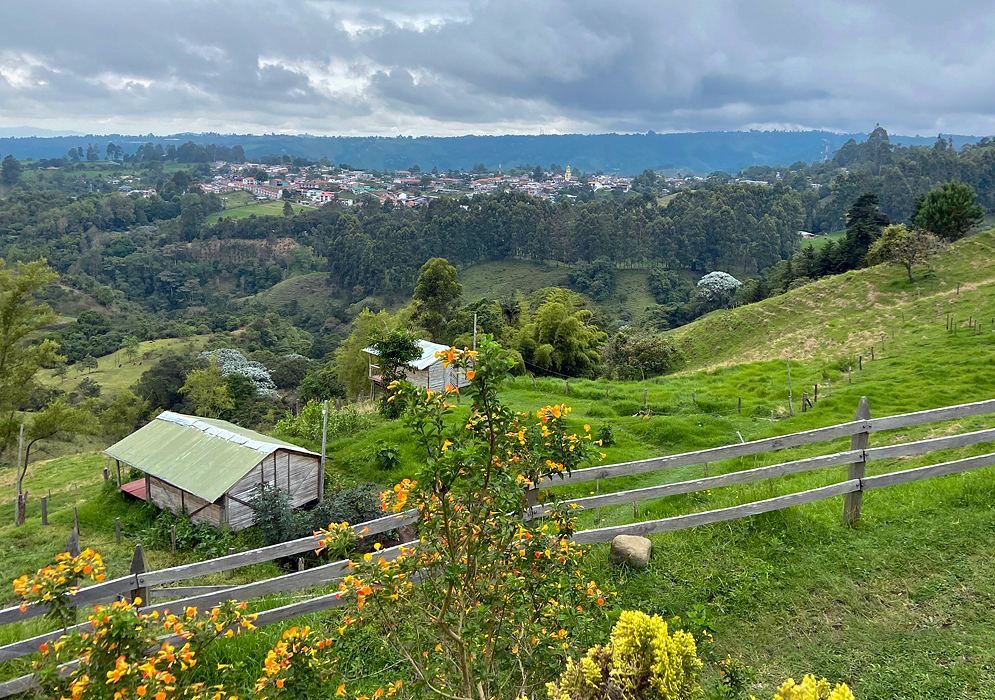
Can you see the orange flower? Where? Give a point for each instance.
(471, 374)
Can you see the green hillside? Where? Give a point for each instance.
(843, 316)
(116, 372)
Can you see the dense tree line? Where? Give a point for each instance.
(902, 176)
(377, 250)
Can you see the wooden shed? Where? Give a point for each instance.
(208, 468)
(426, 372)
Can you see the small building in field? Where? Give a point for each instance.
(209, 468)
(426, 372)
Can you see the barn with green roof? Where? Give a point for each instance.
(209, 468)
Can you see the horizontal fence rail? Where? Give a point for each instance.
(113, 590)
(855, 458)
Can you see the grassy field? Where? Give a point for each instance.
(842, 316)
(116, 372)
(242, 205)
(819, 242)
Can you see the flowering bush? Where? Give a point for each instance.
(500, 601)
(231, 361)
(122, 654)
(811, 689)
(642, 662)
(301, 666)
(718, 285)
(55, 585)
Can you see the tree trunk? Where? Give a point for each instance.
(22, 509)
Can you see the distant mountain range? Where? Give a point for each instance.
(701, 152)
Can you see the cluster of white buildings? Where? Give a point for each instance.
(400, 187)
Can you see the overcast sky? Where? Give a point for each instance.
(450, 67)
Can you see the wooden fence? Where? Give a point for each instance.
(150, 584)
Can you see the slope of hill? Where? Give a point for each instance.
(845, 315)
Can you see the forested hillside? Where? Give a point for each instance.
(298, 294)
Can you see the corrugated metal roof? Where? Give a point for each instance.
(202, 456)
(428, 350)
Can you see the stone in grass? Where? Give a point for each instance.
(632, 550)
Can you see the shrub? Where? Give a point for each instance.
(811, 689)
(642, 662)
(308, 424)
(718, 285)
(274, 516)
(386, 457)
(354, 505)
(606, 436)
(54, 585)
(121, 654)
(231, 361)
(846, 363)
(500, 601)
(201, 539)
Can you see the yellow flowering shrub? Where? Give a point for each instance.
(811, 689)
(484, 604)
(642, 662)
(126, 654)
(53, 586)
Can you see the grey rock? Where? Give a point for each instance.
(632, 550)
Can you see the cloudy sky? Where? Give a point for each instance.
(511, 66)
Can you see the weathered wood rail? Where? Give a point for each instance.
(852, 487)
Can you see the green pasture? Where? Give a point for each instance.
(116, 371)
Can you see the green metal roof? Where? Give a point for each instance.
(202, 456)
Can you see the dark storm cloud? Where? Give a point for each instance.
(450, 66)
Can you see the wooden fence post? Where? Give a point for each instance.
(566, 386)
(117, 530)
(139, 565)
(860, 441)
(646, 393)
(44, 510)
(72, 545)
(860, 362)
(791, 403)
(231, 572)
(107, 474)
(804, 401)
(172, 537)
(739, 404)
(872, 353)
(75, 519)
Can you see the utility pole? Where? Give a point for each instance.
(19, 505)
(321, 470)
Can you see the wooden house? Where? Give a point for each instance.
(209, 468)
(426, 372)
